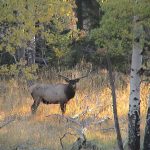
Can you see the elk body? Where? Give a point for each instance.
(54, 93)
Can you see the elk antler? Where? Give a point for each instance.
(64, 77)
(81, 77)
(84, 76)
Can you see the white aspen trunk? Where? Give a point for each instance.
(134, 101)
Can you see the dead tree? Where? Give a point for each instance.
(119, 138)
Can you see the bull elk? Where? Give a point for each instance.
(54, 93)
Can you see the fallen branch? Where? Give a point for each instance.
(99, 122)
(61, 142)
(7, 121)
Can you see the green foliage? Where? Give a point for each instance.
(115, 33)
(21, 21)
(18, 70)
(116, 27)
(19, 18)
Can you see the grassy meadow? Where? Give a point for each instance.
(45, 129)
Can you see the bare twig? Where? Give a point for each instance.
(146, 80)
(67, 118)
(102, 120)
(108, 129)
(61, 138)
(7, 121)
(146, 57)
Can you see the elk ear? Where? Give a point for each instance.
(77, 80)
(67, 80)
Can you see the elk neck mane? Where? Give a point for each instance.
(70, 91)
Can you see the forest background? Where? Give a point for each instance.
(39, 39)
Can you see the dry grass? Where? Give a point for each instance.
(40, 131)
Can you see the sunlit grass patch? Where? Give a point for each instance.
(43, 131)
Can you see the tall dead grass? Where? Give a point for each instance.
(93, 92)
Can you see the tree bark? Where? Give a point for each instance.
(20, 54)
(88, 14)
(79, 14)
(31, 52)
(146, 144)
(119, 138)
(134, 100)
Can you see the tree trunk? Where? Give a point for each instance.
(119, 139)
(20, 54)
(146, 144)
(134, 101)
(31, 52)
(88, 14)
(79, 14)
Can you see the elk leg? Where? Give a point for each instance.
(35, 106)
(63, 107)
